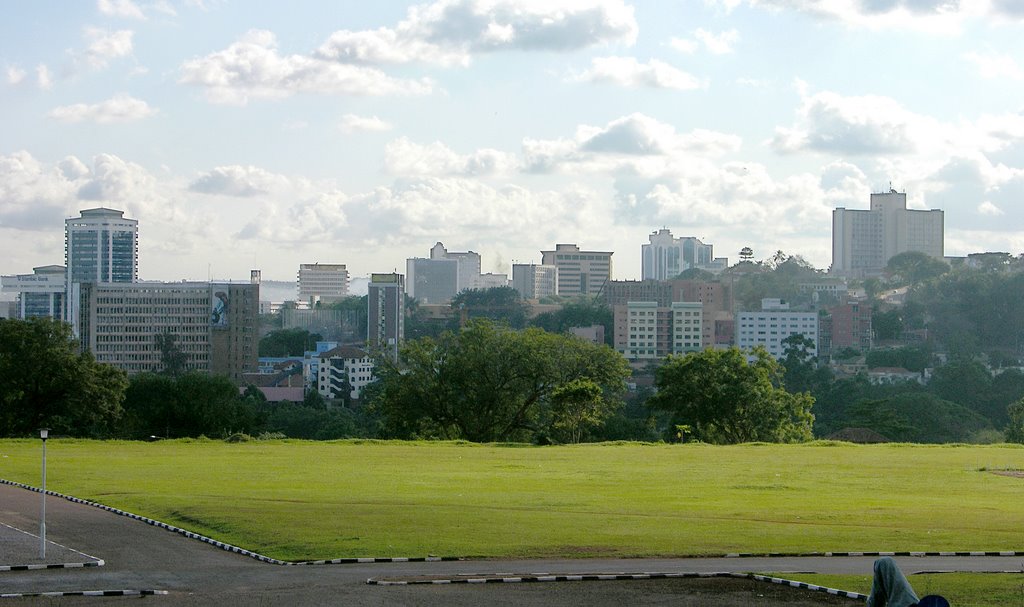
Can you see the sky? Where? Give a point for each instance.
(265, 134)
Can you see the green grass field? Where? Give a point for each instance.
(309, 500)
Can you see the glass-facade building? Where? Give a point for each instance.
(101, 247)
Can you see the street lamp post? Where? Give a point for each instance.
(43, 433)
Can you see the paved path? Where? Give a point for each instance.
(142, 557)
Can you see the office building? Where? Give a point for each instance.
(432, 281)
(579, 272)
(665, 257)
(215, 325)
(386, 313)
(774, 323)
(534, 281)
(342, 369)
(40, 294)
(100, 246)
(468, 266)
(645, 330)
(322, 282)
(863, 241)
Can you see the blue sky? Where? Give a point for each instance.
(266, 134)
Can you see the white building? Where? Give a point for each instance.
(773, 324)
(41, 293)
(665, 257)
(468, 266)
(579, 272)
(341, 368)
(534, 281)
(863, 242)
(324, 282)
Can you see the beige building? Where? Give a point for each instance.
(323, 282)
(534, 281)
(215, 324)
(645, 330)
(863, 242)
(579, 272)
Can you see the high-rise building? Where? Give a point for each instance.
(665, 257)
(645, 330)
(41, 293)
(432, 281)
(468, 264)
(579, 272)
(101, 246)
(386, 312)
(323, 282)
(215, 325)
(534, 281)
(863, 241)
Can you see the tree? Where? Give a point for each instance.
(288, 342)
(696, 274)
(488, 382)
(728, 400)
(585, 312)
(191, 405)
(497, 303)
(46, 382)
(913, 267)
(577, 406)
(1014, 431)
(171, 356)
(746, 253)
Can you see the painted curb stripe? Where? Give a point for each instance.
(97, 563)
(21, 595)
(229, 547)
(602, 577)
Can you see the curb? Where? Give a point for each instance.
(20, 595)
(97, 563)
(746, 555)
(604, 577)
(229, 547)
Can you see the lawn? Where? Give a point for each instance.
(311, 500)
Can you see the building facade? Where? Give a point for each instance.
(774, 323)
(715, 297)
(386, 312)
(342, 369)
(534, 281)
(432, 281)
(579, 272)
(322, 282)
(665, 256)
(40, 294)
(468, 266)
(215, 325)
(101, 246)
(645, 330)
(847, 325)
(863, 241)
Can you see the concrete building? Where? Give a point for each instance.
(41, 293)
(665, 257)
(100, 246)
(579, 272)
(716, 298)
(774, 323)
(491, 281)
(386, 312)
(863, 241)
(846, 325)
(687, 326)
(343, 368)
(534, 281)
(432, 281)
(468, 263)
(322, 282)
(645, 330)
(215, 324)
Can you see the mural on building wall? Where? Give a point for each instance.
(219, 309)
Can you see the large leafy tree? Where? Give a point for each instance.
(727, 399)
(46, 382)
(502, 304)
(489, 382)
(585, 312)
(288, 342)
(191, 405)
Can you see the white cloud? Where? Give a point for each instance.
(351, 123)
(240, 181)
(121, 108)
(450, 32)
(404, 157)
(105, 46)
(120, 8)
(719, 44)
(15, 75)
(252, 68)
(631, 73)
(987, 208)
(43, 78)
(994, 65)
(684, 46)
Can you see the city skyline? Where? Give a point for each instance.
(248, 136)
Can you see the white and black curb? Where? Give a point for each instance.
(97, 563)
(606, 577)
(229, 547)
(22, 595)
(748, 555)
